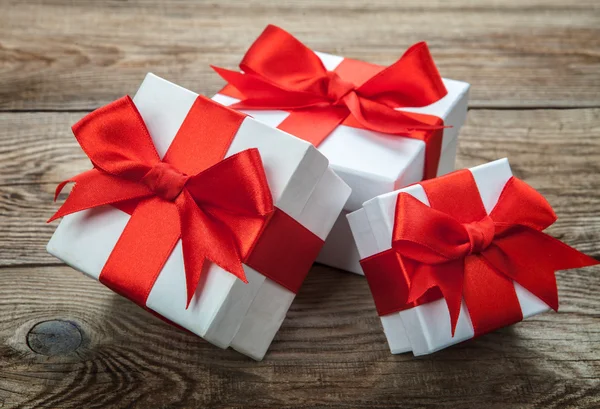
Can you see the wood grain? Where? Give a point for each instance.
(530, 62)
(64, 55)
(129, 359)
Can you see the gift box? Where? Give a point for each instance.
(381, 128)
(218, 234)
(458, 256)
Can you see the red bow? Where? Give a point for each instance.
(217, 207)
(455, 247)
(279, 72)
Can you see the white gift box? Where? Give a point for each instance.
(426, 328)
(224, 310)
(373, 163)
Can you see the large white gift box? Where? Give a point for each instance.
(426, 328)
(224, 310)
(374, 163)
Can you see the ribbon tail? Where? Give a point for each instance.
(448, 277)
(381, 118)
(246, 83)
(489, 296)
(142, 250)
(95, 188)
(205, 239)
(531, 258)
(261, 94)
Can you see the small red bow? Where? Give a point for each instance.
(279, 72)
(455, 247)
(217, 207)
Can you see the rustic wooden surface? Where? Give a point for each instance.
(67, 342)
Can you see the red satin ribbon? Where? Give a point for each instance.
(218, 207)
(454, 249)
(279, 72)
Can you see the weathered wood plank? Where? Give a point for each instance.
(553, 150)
(66, 55)
(330, 353)
(63, 55)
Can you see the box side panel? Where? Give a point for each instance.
(340, 250)
(448, 159)
(324, 206)
(168, 295)
(430, 327)
(395, 333)
(265, 316)
(230, 316)
(270, 305)
(362, 233)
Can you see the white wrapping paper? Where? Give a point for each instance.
(301, 183)
(426, 328)
(372, 163)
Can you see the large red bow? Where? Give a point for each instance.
(456, 248)
(217, 207)
(279, 72)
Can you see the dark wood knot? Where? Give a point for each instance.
(56, 337)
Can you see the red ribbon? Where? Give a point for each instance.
(454, 249)
(219, 207)
(279, 72)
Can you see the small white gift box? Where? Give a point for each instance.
(426, 328)
(224, 310)
(374, 163)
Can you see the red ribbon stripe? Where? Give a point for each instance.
(455, 250)
(221, 209)
(281, 73)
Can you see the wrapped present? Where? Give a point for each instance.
(381, 128)
(458, 256)
(197, 212)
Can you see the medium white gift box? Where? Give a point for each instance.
(224, 310)
(374, 163)
(426, 328)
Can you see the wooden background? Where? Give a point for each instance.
(535, 70)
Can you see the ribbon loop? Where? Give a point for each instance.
(116, 140)
(413, 80)
(282, 58)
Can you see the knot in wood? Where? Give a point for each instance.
(56, 337)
